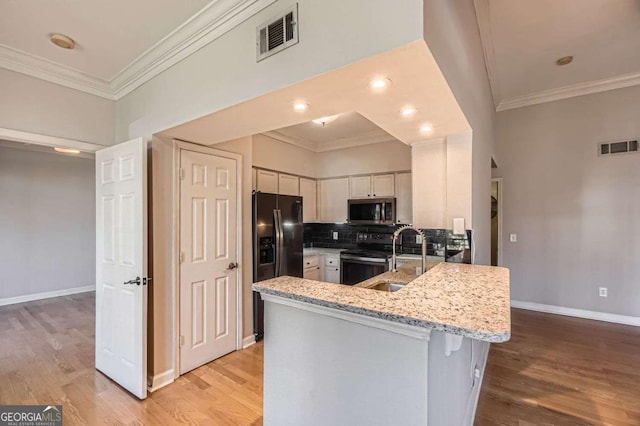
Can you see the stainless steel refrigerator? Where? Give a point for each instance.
(277, 244)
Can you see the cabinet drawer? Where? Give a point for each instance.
(332, 260)
(310, 261)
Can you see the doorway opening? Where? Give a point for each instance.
(496, 221)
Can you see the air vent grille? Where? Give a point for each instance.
(277, 33)
(622, 147)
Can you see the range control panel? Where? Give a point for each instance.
(374, 238)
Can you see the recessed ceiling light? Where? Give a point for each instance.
(67, 150)
(408, 111)
(63, 41)
(427, 128)
(380, 83)
(325, 120)
(300, 106)
(565, 60)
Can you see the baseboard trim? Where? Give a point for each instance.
(46, 295)
(161, 380)
(578, 313)
(248, 341)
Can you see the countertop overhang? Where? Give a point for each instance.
(467, 300)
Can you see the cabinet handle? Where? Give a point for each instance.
(374, 195)
(318, 267)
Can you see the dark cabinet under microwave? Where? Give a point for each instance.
(381, 211)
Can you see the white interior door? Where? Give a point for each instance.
(208, 268)
(121, 264)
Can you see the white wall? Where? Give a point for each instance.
(273, 154)
(37, 106)
(333, 33)
(451, 32)
(47, 222)
(380, 157)
(576, 214)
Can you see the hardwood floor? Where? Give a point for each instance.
(554, 371)
(47, 357)
(558, 370)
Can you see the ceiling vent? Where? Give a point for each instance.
(621, 147)
(277, 33)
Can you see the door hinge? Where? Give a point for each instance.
(181, 340)
(180, 173)
(181, 257)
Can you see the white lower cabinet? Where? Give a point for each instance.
(331, 268)
(311, 268)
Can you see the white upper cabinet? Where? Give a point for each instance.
(360, 186)
(254, 179)
(308, 193)
(441, 175)
(333, 195)
(383, 185)
(288, 184)
(372, 186)
(403, 198)
(266, 181)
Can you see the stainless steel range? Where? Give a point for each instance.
(371, 258)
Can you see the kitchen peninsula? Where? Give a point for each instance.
(337, 354)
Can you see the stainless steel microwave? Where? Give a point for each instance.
(380, 211)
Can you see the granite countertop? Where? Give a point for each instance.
(312, 251)
(468, 300)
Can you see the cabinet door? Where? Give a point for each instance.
(266, 181)
(288, 184)
(403, 198)
(360, 186)
(383, 185)
(332, 275)
(333, 197)
(312, 273)
(308, 193)
(254, 179)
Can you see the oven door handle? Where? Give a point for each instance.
(363, 259)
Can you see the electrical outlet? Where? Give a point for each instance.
(513, 238)
(602, 291)
(335, 235)
(475, 375)
(418, 239)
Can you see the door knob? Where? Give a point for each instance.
(232, 266)
(138, 281)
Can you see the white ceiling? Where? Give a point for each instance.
(109, 34)
(348, 129)
(120, 44)
(522, 40)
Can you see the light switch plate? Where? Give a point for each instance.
(513, 238)
(335, 235)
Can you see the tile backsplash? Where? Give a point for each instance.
(439, 241)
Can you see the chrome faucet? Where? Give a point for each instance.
(424, 246)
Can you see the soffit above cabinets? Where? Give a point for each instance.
(523, 39)
(120, 44)
(348, 130)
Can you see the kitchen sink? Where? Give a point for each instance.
(385, 286)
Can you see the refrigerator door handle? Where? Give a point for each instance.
(280, 241)
(276, 246)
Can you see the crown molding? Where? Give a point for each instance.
(211, 22)
(44, 69)
(566, 92)
(368, 138)
(299, 142)
(483, 15)
(208, 24)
